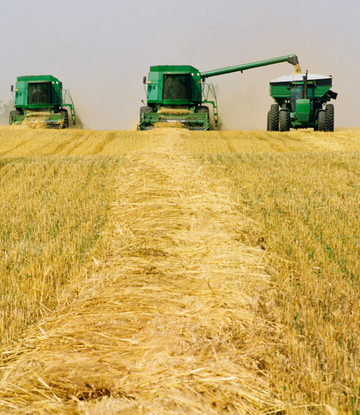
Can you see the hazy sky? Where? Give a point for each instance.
(100, 50)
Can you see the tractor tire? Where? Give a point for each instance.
(66, 118)
(322, 120)
(284, 120)
(329, 111)
(13, 113)
(268, 125)
(274, 117)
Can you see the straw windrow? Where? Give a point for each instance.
(176, 318)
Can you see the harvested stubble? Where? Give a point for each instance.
(52, 213)
(304, 193)
(176, 318)
(20, 141)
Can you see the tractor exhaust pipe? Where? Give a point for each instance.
(305, 78)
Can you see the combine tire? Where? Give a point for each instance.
(12, 114)
(284, 120)
(322, 120)
(268, 125)
(202, 110)
(66, 118)
(329, 111)
(274, 117)
(145, 110)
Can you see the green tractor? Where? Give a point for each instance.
(302, 101)
(42, 99)
(178, 94)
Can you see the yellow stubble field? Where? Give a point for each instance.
(299, 189)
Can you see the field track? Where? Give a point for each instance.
(178, 315)
(172, 319)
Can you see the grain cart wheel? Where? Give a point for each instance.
(12, 114)
(284, 120)
(329, 111)
(66, 118)
(274, 117)
(268, 125)
(321, 120)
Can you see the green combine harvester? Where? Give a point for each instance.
(42, 99)
(178, 94)
(301, 102)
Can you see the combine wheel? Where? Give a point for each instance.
(322, 120)
(274, 117)
(268, 125)
(12, 114)
(66, 118)
(145, 110)
(284, 120)
(202, 109)
(329, 111)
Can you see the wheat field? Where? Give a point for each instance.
(177, 272)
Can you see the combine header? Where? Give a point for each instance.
(177, 94)
(42, 99)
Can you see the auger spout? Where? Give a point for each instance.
(292, 59)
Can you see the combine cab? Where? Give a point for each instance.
(302, 101)
(42, 99)
(180, 95)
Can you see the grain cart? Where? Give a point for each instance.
(301, 102)
(42, 98)
(177, 94)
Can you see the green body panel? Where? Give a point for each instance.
(22, 91)
(281, 93)
(289, 93)
(42, 97)
(183, 87)
(303, 110)
(156, 83)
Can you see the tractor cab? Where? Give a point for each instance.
(177, 87)
(39, 94)
(298, 91)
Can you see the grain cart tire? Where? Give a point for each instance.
(274, 117)
(284, 120)
(12, 114)
(268, 125)
(66, 118)
(322, 120)
(329, 111)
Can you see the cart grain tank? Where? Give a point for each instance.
(301, 102)
(177, 94)
(42, 98)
